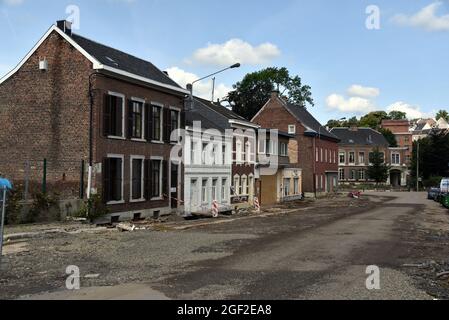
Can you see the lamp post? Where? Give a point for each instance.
(190, 86)
(417, 166)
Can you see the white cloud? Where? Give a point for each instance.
(12, 2)
(363, 92)
(352, 104)
(202, 89)
(426, 18)
(413, 112)
(236, 50)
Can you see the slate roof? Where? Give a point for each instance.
(363, 136)
(120, 60)
(312, 125)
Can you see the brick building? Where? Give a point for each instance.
(354, 155)
(316, 147)
(404, 136)
(46, 112)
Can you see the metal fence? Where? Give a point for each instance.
(62, 178)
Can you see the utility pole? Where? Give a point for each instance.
(417, 166)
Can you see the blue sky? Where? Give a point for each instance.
(352, 70)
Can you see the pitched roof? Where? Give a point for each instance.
(221, 110)
(312, 125)
(117, 59)
(363, 136)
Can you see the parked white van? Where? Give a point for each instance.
(444, 188)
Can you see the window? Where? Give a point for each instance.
(296, 186)
(251, 185)
(136, 119)
(192, 152)
(361, 175)
(194, 192)
(361, 157)
(287, 187)
(113, 179)
(248, 152)
(157, 123)
(273, 148)
(224, 189)
(321, 154)
(292, 129)
(204, 153)
(341, 174)
(262, 146)
(335, 156)
(352, 157)
(237, 185)
(244, 186)
(317, 156)
(352, 175)
(395, 158)
(204, 198)
(214, 189)
(174, 123)
(114, 115)
(284, 151)
(325, 155)
(137, 179)
(156, 178)
(239, 150)
(223, 154)
(342, 158)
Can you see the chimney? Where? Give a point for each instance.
(65, 26)
(166, 73)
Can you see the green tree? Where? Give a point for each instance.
(442, 114)
(397, 115)
(378, 170)
(251, 94)
(391, 138)
(373, 119)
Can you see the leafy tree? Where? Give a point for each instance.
(433, 156)
(442, 114)
(334, 124)
(352, 122)
(391, 138)
(397, 115)
(373, 119)
(251, 94)
(378, 170)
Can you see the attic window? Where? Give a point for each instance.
(111, 60)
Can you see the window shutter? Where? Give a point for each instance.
(147, 180)
(182, 125)
(106, 180)
(150, 179)
(167, 124)
(165, 191)
(107, 115)
(130, 119)
(148, 122)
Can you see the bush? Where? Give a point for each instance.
(93, 208)
(432, 182)
(44, 208)
(14, 207)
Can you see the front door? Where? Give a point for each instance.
(174, 186)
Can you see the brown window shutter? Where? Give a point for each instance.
(130, 119)
(106, 187)
(166, 122)
(148, 122)
(107, 115)
(165, 191)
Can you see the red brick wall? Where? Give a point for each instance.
(44, 114)
(275, 115)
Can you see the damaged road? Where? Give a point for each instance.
(321, 253)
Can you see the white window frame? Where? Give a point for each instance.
(296, 186)
(122, 96)
(224, 189)
(349, 157)
(122, 157)
(364, 158)
(204, 191)
(286, 187)
(291, 129)
(236, 183)
(262, 146)
(214, 189)
(284, 149)
(361, 175)
(143, 102)
(393, 158)
(161, 159)
(142, 198)
(194, 192)
(341, 174)
(238, 151)
(161, 106)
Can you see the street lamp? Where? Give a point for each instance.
(190, 86)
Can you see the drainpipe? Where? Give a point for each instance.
(91, 153)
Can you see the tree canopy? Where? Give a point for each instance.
(378, 171)
(442, 114)
(390, 137)
(251, 94)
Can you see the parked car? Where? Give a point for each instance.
(433, 193)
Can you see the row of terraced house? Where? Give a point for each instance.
(150, 148)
